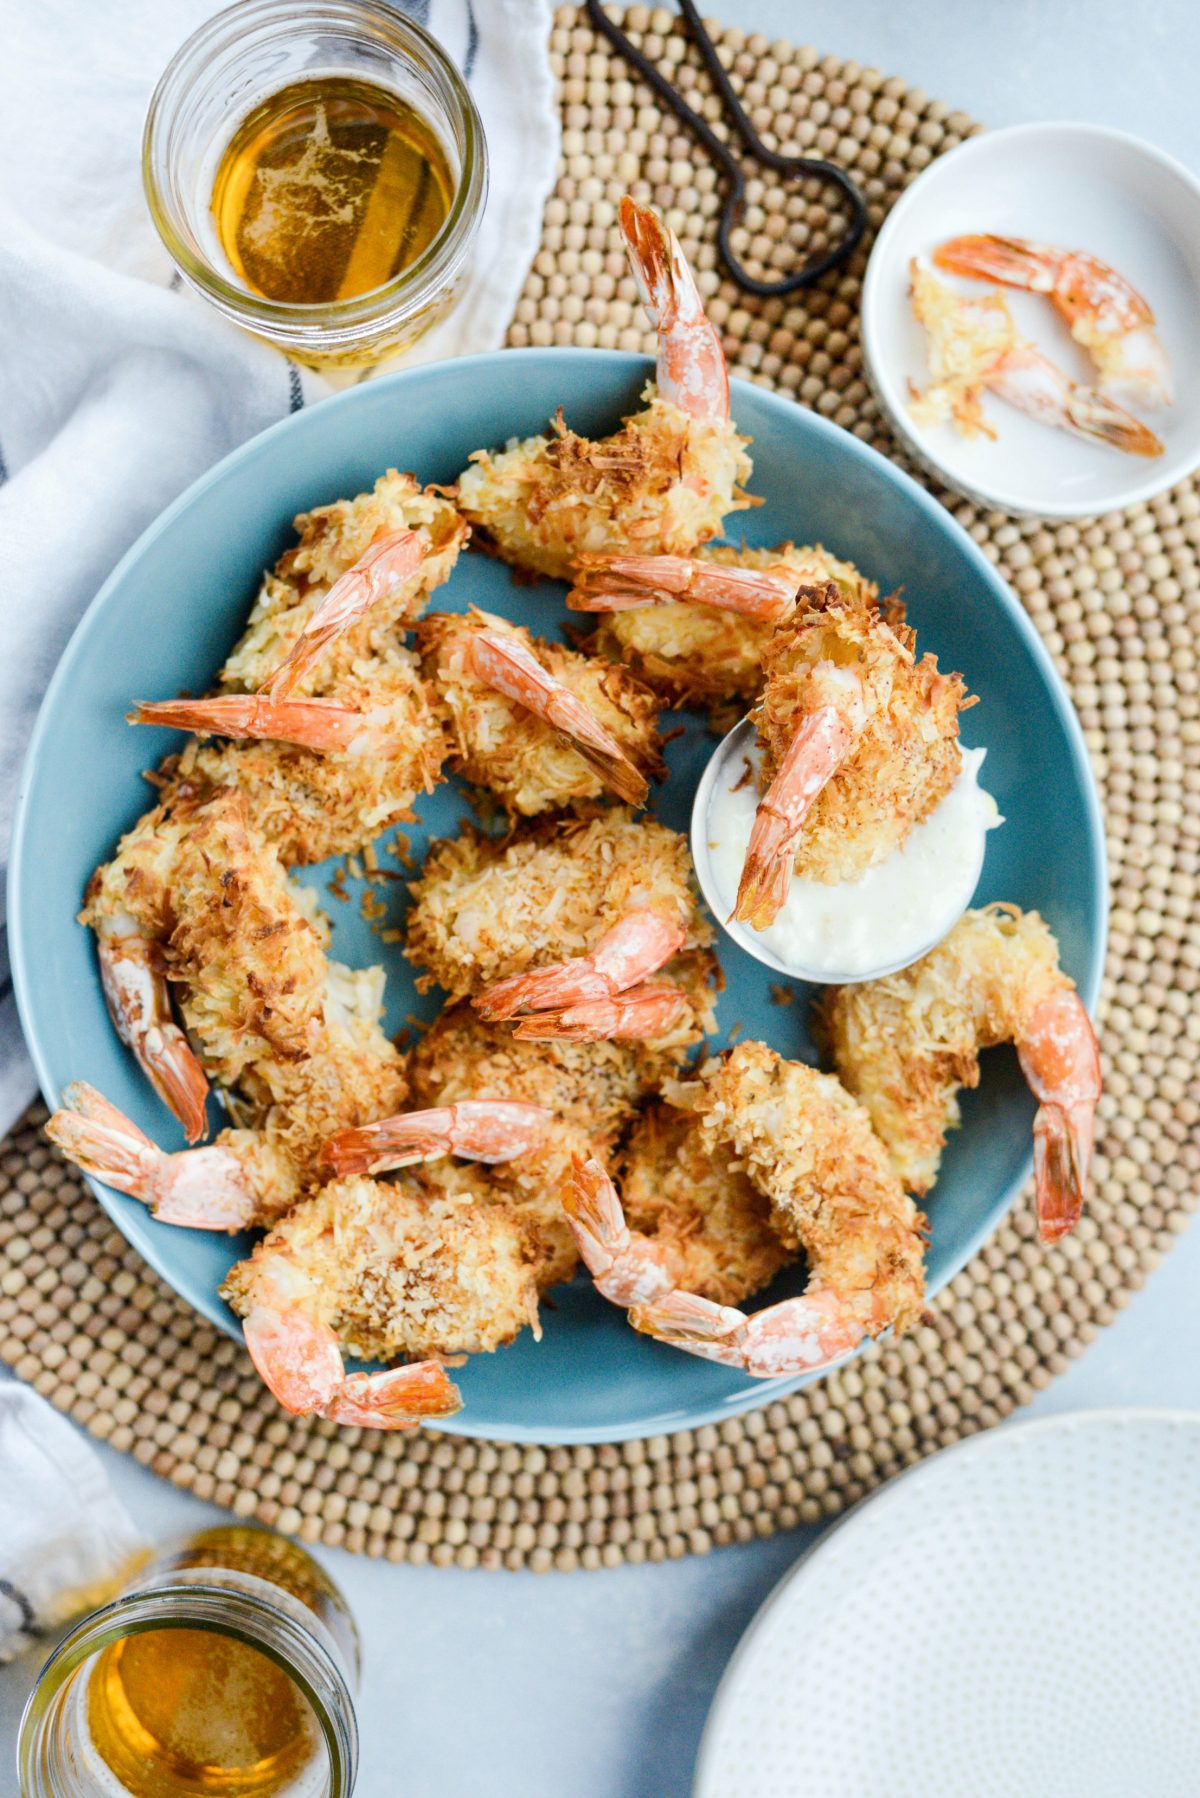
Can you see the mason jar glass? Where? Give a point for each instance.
(230, 66)
(119, 1706)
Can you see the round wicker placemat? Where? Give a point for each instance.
(1118, 604)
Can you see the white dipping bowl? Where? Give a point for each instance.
(734, 750)
(1085, 188)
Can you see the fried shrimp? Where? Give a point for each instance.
(585, 1092)
(663, 483)
(974, 347)
(561, 916)
(696, 628)
(906, 1044)
(684, 1219)
(538, 725)
(808, 1147)
(859, 740)
(195, 900)
(286, 1111)
(379, 1270)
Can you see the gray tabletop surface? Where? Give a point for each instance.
(523, 1686)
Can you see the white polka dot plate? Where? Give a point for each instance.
(1018, 1617)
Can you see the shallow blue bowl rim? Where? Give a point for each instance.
(757, 1392)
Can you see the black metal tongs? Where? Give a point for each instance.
(790, 168)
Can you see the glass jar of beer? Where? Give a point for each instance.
(226, 1667)
(317, 170)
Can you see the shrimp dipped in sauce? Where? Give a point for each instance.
(907, 1044)
(538, 725)
(377, 1270)
(974, 346)
(322, 718)
(562, 926)
(808, 1148)
(1104, 313)
(663, 483)
(696, 628)
(859, 742)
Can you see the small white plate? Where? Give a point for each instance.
(1019, 1615)
(1083, 187)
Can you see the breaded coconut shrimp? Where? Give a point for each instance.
(538, 725)
(809, 1148)
(906, 1044)
(379, 1270)
(684, 1220)
(585, 1092)
(197, 900)
(565, 916)
(663, 483)
(974, 347)
(696, 628)
(1105, 315)
(859, 741)
(256, 1170)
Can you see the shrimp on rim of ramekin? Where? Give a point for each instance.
(684, 1220)
(696, 628)
(975, 346)
(663, 482)
(377, 1270)
(859, 741)
(905, 1045)
(808, 1147)
(285, 1111)
(1105, 314)
(538, 725)
(557, 922)
(195, 901)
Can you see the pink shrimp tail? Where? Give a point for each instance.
(621, 583)
(135, 991)
(638, 945)
(488, 1130)
(627, 1269)
(97, 1137)
(307, 723)
(801, 1335)
(1009, 260)
(642, 1014)
(1060, 1059)
(1061, 1152)
(388, 563)
(691, 362)
(813, 758)
(400, 1398)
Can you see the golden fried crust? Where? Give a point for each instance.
(395, 1271)
(712, 1220)
(500, 745)
(703, 655)
(486, 908)
(809, 1147)
(246, 962)
(332, 539)
(907, 1044)
(316, 803)
(662, 484)
(907, 758)
(593, 1086)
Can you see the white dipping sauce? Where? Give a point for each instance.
(895, 913)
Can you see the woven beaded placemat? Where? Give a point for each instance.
(1117, 603)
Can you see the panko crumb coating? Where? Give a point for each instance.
(906, 1045)
(502, 746)
(661, 485)
(712, 1222)
(395, 1271)
(906, 759)
(485, 908)
(332, 539)
(592, 1089)
(245, 959)
(808, 1145)
(705, 655)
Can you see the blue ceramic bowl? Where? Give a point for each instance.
(165, 620)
